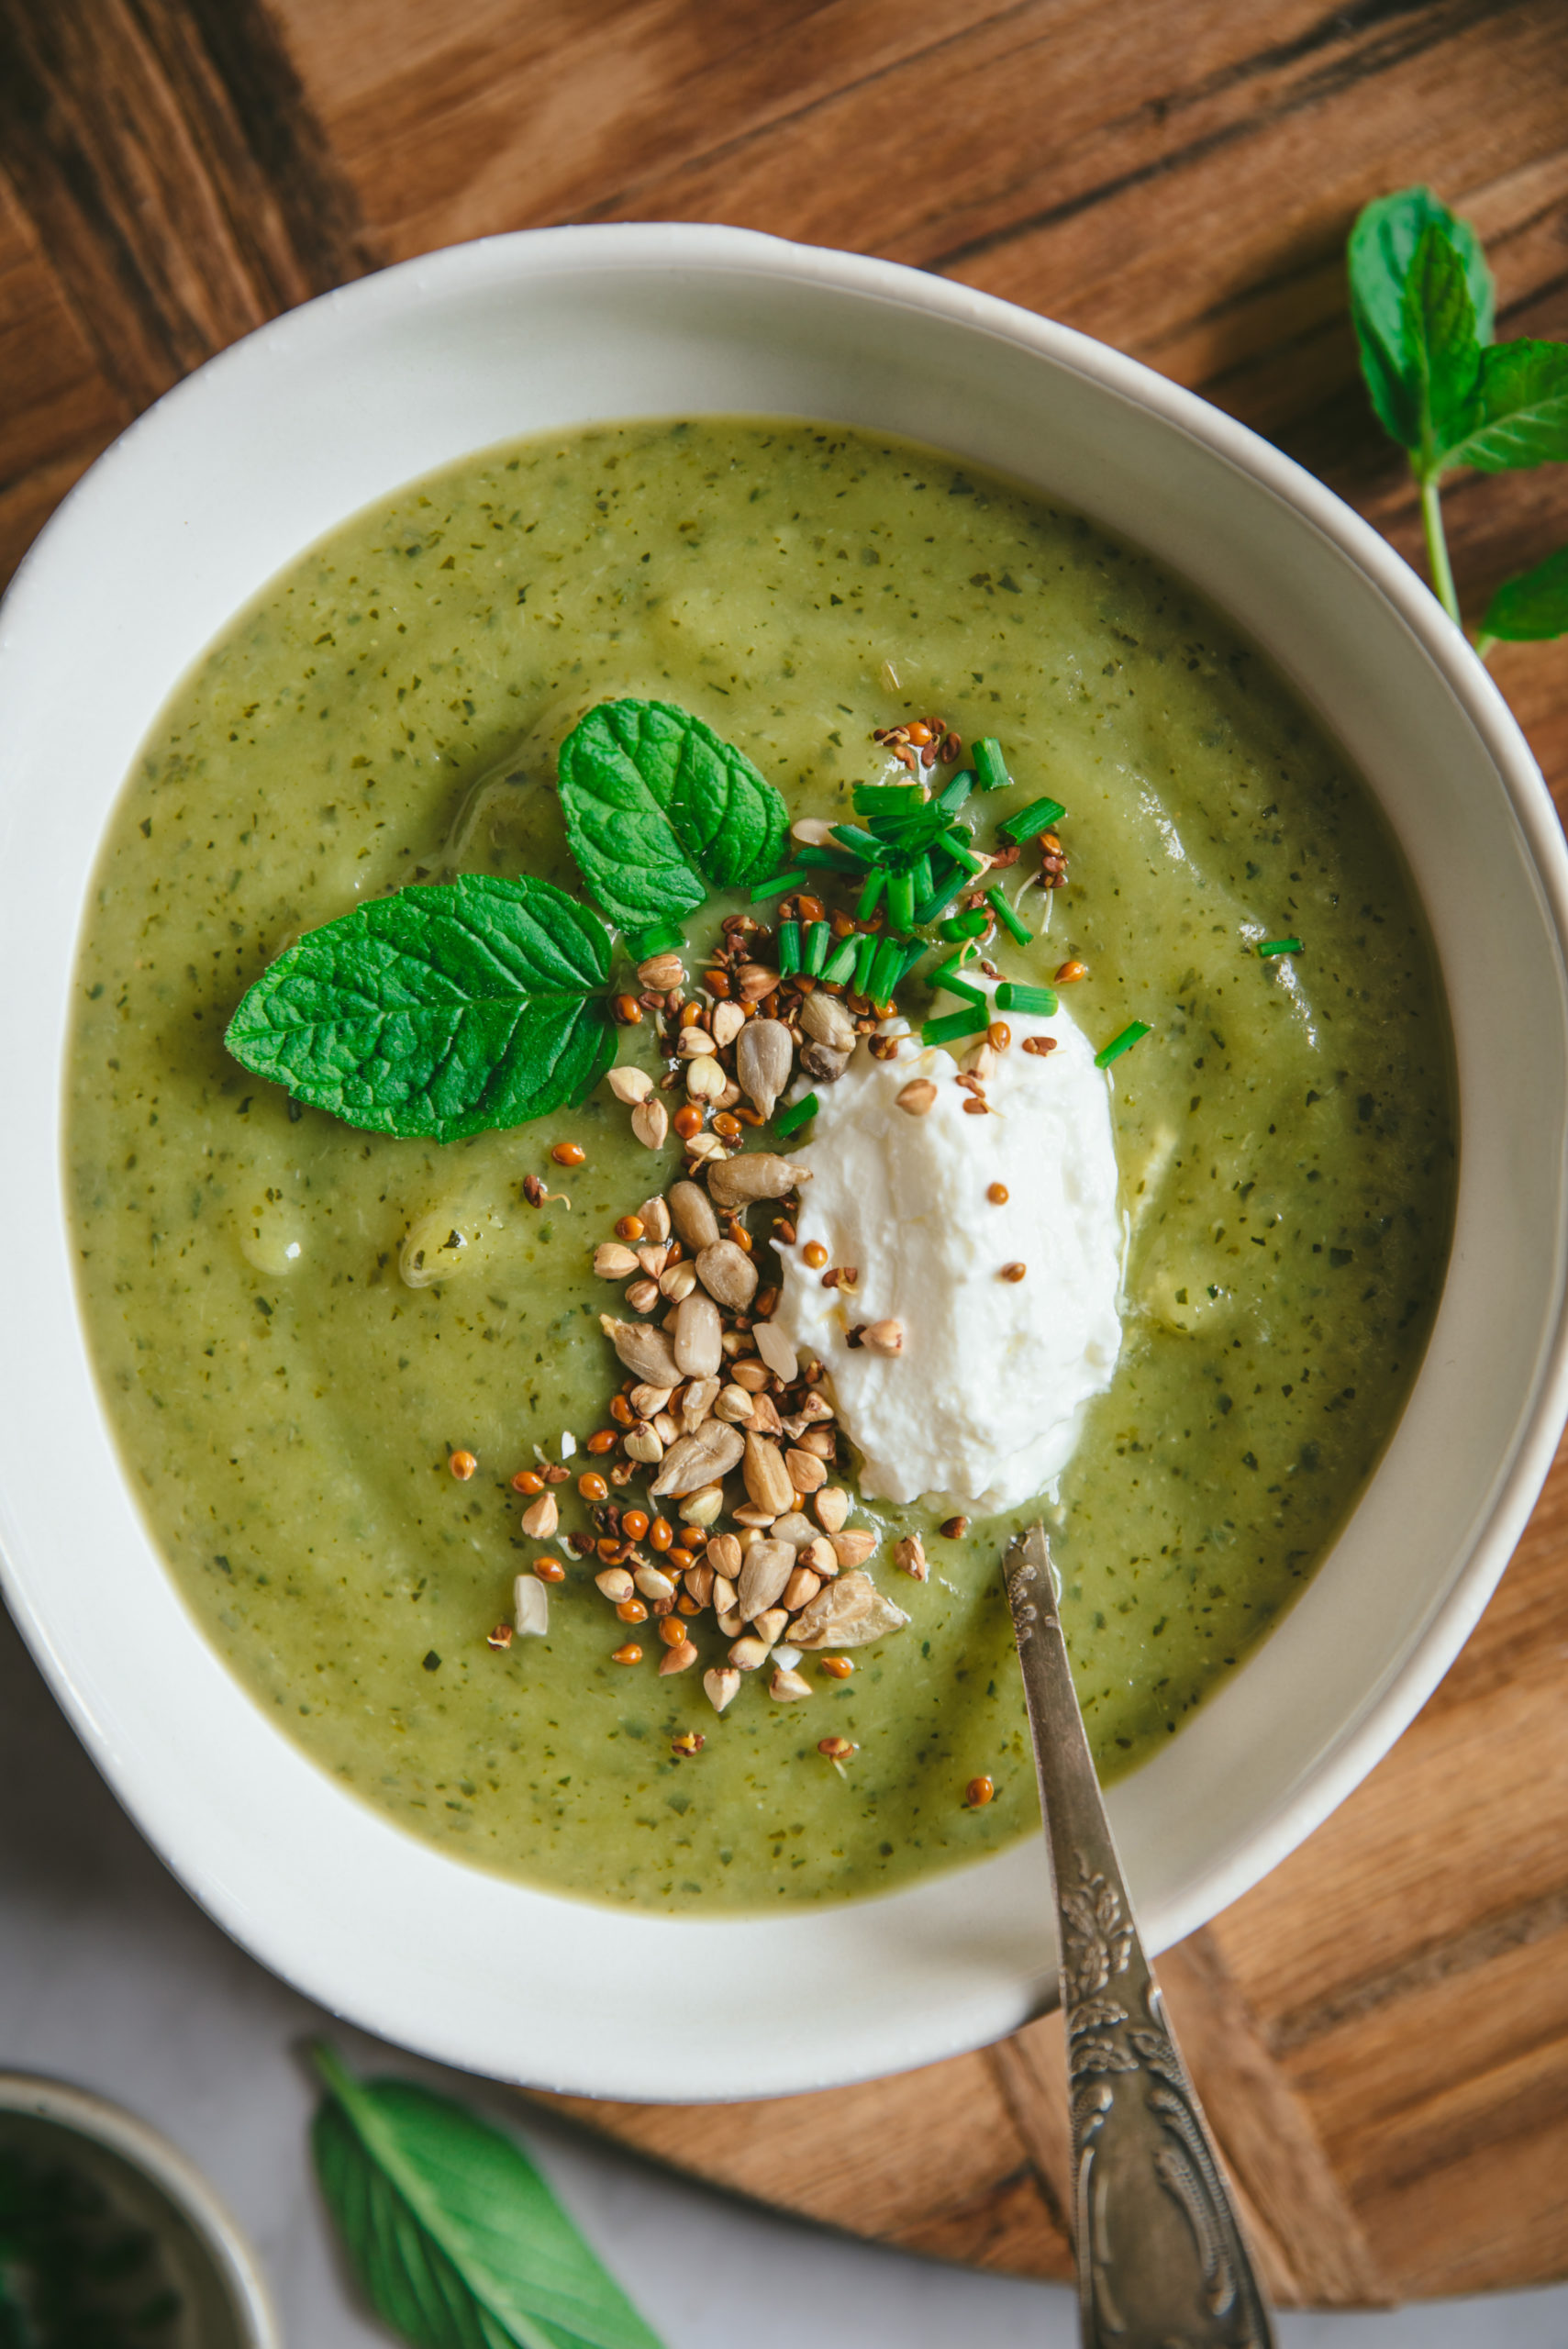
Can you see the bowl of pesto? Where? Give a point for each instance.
(695, 924)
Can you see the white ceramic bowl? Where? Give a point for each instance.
(184, 519)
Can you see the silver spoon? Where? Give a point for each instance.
(1162, 2263)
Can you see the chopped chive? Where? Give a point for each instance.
(789, 948)
(1122, 1044)
(912, 953)
(956, 1024)
(901, 900)
(878, 798)
(1007, 917)
(1038, 817)
(863, 846)
(990, 766)
(885, 971)
(968, 925)
(920, 881)
(1012, 997)
(799, 1113)
(945, 980)
(831, 860)
(959, 787)
(779, 887)
(815, 940)
(865, 955)
(841, 961)
(933, 907)
(956, 843)
(871, 896)
(1267, 946)
(663, 938)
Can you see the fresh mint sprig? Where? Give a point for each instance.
(1422, 303)
(453, 2234)
(658, 808)
(438, 1012)
(443, 1010)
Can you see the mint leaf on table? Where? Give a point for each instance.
(1533, 605)
(455, 2237)
(436, 1012)
(1441, 349)
(658, 808)
(1384, 245)
(1520, 410)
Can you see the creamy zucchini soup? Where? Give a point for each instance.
(927, 1034)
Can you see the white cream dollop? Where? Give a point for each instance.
(984, 1401)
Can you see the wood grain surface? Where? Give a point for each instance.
(1380, 2030)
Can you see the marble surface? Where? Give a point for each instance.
(111, 1977)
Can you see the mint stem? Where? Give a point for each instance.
(1437, 548)
(1484, 644)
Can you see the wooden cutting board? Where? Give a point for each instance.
(1381, 2029)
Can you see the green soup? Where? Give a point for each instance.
(388, 711)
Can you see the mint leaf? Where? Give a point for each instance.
(658, 808)
(438, 1012)
(455, 2237)
(1533, 605)
(1382, 253)
(1520, 412)
(1442, 355)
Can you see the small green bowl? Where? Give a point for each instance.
(130, 2181)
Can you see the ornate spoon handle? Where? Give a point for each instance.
(1162, 2260)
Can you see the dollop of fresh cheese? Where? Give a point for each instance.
(984, 1401)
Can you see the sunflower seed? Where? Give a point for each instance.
(650, 1123)
(630, 1084)
(700, 1508)
(755, 1175)
(614, 1263)
(695, 1404)
(727, 1020)
(766, 1568)
(848, 1613)
(719, 1686)
(692, 1211)
(699, 1336)
(909, 1555)
(832, 1503)
(530, 1607)
(645, 1351)
(776, 1351)
(852, 1548)
(823, 1016)
(727, 1273)
(763, 1058)
(767, 1478)
(700, 1459)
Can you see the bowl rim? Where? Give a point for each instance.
(714, 251)
(146, 2150)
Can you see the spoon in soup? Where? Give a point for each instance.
(1162, 2263)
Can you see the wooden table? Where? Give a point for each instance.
(1381, 2029)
